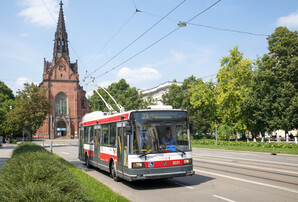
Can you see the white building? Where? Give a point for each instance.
(158, 91)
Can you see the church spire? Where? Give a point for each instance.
(61, 42)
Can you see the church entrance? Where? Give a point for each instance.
(61, 129)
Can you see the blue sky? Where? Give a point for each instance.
(99, 29)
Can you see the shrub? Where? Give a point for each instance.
(27, 147)
(37, 176)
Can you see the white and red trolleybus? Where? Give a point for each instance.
(130, 145)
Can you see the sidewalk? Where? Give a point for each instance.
(5, 153)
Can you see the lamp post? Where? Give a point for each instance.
(216, 123)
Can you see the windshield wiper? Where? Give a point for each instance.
(145, 154)
(180, 151)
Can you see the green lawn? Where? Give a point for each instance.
(248, 148)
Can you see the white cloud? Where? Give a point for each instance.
(138, 75)
(178, 56)
(290, 21)
(19, 85)
(37, 12)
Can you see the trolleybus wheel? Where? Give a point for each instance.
(87, 161)
(114, 172)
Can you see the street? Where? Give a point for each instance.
(220, 176)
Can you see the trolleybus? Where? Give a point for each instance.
(131, 145)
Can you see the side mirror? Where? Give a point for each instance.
(128, 128)
(191, 128)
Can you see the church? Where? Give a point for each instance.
(61, 81)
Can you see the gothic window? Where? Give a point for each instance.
(61, 104)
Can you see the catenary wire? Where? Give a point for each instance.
(157, 40)
(69, 42)
(208, 26)
(108, 42)
(137, 38)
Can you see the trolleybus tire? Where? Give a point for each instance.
(114, 172)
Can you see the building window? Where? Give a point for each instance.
(61, 104)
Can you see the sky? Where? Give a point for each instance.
(111, 40)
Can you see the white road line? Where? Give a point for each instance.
(248, 166)
(243, 159)
(183, 185)
(223, 198)
(248, 181)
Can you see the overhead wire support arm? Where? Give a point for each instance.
(110, 108)
(118, 105)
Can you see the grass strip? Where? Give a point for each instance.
(94, 189)
(243, 147)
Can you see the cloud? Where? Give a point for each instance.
(290, 21)
(19, 85)
(37, 12)
(178, 56)
(138, 75)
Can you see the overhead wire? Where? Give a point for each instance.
(171, 32)
(118, 31)
(68, 41)
(127, 46)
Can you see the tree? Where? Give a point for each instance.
(6, 103)
(126, 96)
(203, 104)
(31, 109)
(283, 62)
(233, 81)
(177, 96)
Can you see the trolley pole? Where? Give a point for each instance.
(51, 131)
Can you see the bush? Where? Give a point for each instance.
(247, 144)
(37, 176)
(27, 147)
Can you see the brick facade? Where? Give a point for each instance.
(67, 97)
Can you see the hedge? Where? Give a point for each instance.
(33, 174)
(246, 144)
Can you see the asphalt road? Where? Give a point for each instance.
(220, 176)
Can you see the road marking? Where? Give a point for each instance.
(248, 181)
(65, 153)
(223, 198)
(263, 161)
(182, 185)
(248, 166)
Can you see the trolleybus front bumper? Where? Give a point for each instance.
(158, 173)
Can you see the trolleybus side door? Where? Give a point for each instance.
(120, 147)
(97, 135)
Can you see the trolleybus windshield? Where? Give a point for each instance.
(159, 131)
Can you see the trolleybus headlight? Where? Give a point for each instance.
(138, 165)
(187, 161)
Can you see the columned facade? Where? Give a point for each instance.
(66, 96)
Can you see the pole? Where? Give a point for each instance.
(43, 134)
(51, 131)
(216, 132)
(23, 136)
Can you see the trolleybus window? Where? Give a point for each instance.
(150, 128)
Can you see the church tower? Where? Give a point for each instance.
(67, 97)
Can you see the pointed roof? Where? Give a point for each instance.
(61, 39)
(61, 23)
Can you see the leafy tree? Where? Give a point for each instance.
(177, 96)
(283, 62)
(233, 81)
(203, 103)
(31, 109)
(126, 96)
(6, 102)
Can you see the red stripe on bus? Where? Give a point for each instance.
(159, 164)
(107, 157)
(90, 153)
(107, 120)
